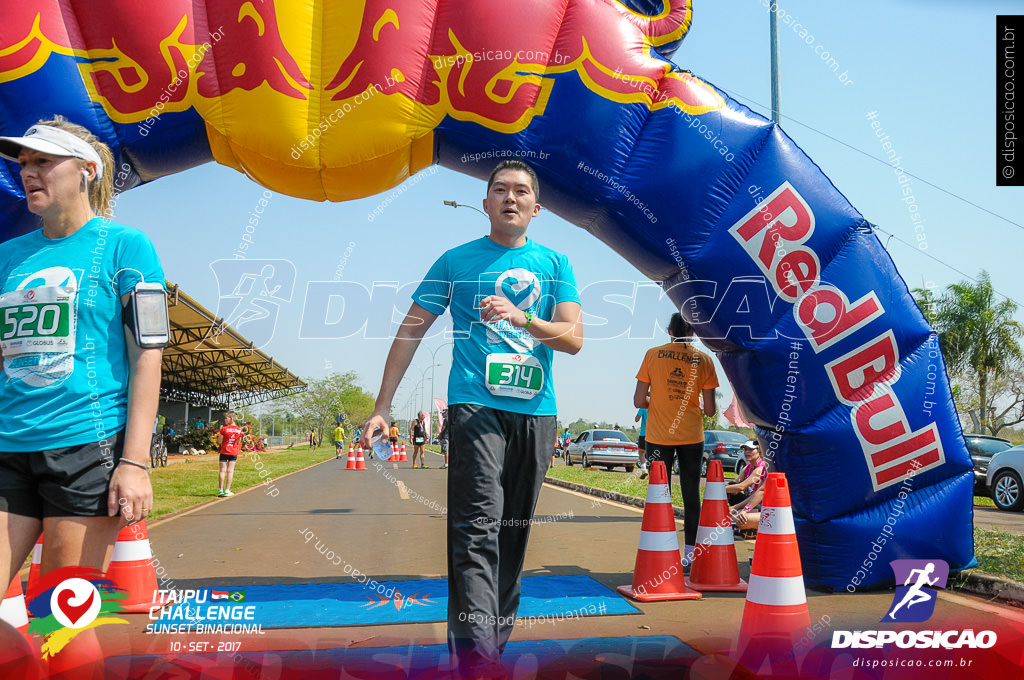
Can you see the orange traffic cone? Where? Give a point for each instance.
(401, 455)
(714, 564)
(131, 568)
(360, 461)
(658, 573)
(775, 613)
(351, 465)
(33, 571)
(12, 607)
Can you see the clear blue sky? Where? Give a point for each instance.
(926, 68)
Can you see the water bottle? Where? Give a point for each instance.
(381, 447)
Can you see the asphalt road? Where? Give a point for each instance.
(388, 522)
(1000, 520)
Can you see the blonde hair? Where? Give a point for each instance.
(100, 191)
(232, 415)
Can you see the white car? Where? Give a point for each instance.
(1004, 479)
(609, 448)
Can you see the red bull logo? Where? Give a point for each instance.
(171, 56)
(376, 77)
(514, 69)
(165, 59)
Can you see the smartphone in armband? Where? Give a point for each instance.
(147, 314)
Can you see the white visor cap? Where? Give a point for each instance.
(51, 140)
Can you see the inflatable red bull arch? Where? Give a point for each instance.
(778, 273)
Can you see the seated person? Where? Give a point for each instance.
(745, 495)
(746, 517)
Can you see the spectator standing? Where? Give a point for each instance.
(671, 381)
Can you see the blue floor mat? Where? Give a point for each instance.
(357, 604)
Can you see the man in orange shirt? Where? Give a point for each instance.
(671, 381)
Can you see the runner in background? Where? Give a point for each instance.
(339, 441)
(229, 439)
(641, 417)
(443, 437)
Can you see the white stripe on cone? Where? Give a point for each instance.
(12, 610)
(659, 541)
(777, 591)
(714, 535)
(778, 521)
(131, 551)
(658, 493)
(715, 491)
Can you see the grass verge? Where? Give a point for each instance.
(626, 483)
(998, 553)
(193, 481)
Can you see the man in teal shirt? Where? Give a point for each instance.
(513, 303)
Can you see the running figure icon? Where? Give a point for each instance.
(916, 594)
(249, 307)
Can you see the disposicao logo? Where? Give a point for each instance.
(914, 602)
(69, 601)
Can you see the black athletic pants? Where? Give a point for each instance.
(497, 464)
(689, 456)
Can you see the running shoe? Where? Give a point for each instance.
(227, 493)
(220, 492)
(444, 466)
(424, 467)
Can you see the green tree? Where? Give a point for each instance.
(979, 339)
(711, 422)
(324, 398)
(927, 302)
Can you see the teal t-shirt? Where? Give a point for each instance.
(498, 365)
(643, 421)
(65, 362)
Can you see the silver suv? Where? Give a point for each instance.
(982, 447)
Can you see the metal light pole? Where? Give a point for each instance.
(433, 355)
(423, 377)
(776, 89)
(456, 204)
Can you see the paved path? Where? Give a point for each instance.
(388, 522)
(1000, 520)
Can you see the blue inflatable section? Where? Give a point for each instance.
(781, 276)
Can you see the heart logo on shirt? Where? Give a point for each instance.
(520, 286)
